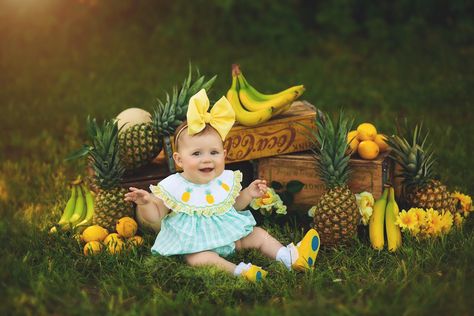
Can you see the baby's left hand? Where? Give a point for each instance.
(257, 188)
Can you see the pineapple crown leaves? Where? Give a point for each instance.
(414, 155)
(103, 151)
(168, 115)
(330, 148)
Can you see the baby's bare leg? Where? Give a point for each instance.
(209, 258)
(261, 240)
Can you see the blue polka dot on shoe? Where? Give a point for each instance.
(315, 243)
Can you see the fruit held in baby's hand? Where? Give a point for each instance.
(126, 227)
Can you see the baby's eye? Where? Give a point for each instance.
(196, 153)
(214, 152)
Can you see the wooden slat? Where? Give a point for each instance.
(367, 175)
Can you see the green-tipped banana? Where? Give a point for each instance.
(299, 89)
(253, 104)
(69, 208)
(243, 116)
(376, 222)
(394, 236)
(80, 209)
(87, 221)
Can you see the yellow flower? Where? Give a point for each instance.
(458, 220)
(434, 222)
(365, 202)
(407, 220)
(447, 222)
(465, 201)
(268, 203)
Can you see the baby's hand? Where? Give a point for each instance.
(138, 196)
(258, 188)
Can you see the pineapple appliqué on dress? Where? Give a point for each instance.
(186, 195)
(214, 198)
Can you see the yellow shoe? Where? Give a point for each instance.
(254, 273)
(308, 250)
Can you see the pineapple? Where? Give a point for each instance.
(168, 115)
(105, 159)
(419, 186)
(223, 185)
(186, 195)
(141, 143)
(336, 213)
(209, 197)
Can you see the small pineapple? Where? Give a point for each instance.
(139, 144)
(336, 213)
(104, 155)
(419, 186)
(168, 115)
(186, 195)
(223, 185)
(209, 197)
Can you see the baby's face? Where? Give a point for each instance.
(202, 157)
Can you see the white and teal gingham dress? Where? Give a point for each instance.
(202, 216)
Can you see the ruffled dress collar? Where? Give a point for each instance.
(214, 198)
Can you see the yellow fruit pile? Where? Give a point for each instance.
(366, 142)
(96, 238)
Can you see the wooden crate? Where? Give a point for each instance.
(367, 175)
(280, 135)
(146, 175)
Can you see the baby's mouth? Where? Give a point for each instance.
(206, 170)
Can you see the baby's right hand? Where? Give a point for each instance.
(138, 196)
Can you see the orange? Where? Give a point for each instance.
(92, 248)
(352, 141)
(368, 149)
(366, 131)
(381, 141)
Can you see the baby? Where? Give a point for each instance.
(202, 209)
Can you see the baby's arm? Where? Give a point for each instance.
(151, 208)
(256, 189)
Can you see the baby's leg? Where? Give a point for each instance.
(209, 258)
(261, 240)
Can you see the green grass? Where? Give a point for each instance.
(56, 71)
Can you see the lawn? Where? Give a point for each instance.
(60, 63)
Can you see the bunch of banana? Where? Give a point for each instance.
(252, 107)
(384, 216)
(79, 208)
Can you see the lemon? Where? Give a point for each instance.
(115, 246)
(126, 227)
(353, 141)
(135, 241)
(368, 149)
(94, 233)
(112, 238)
(92, 248)
(381, 141)
(366, 131)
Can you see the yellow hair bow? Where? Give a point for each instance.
(221, 116)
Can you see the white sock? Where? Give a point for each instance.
(284, 256)
(241, 267)
(287, 255)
